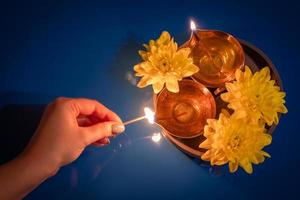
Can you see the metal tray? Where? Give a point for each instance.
(255, 59)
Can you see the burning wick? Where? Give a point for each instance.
(149, 115)
(193, 29)
(193, 25)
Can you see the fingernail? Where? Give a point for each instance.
(105, 142)
(118, 128)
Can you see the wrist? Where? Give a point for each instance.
(23, 174)
(42, 166)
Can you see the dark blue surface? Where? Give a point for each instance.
(85, 49)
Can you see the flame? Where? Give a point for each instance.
(193, 25)
(156, 137)
(149, 114)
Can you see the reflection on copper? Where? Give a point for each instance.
(217, 54)
(184, 114)
(167, 118)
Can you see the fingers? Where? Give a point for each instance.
(101, 130)
(102, 142)
(94, 120)
(93, 107)
(84, 121)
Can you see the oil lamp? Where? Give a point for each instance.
(184, 114)
(216, 53)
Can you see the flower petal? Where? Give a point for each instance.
(206, 156)
(190, 70)
(172, 84)
(143, 82)
(282, 109)
(225, 97)
(239, 75)
(266, 154)
(158, 86)
(164, 38)
(144, 55)
(205, 145)
(248, 73)
(247, 166)
(233, 166)
(259, 157)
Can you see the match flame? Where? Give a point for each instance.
(193, 25)
(156, 137)
(149, 114)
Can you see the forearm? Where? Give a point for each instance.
(21, 175)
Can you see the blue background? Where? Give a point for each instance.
(87, 49)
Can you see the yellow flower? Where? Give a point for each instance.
(163, 40)
(164, 64)
(234, 141)
(255, 96)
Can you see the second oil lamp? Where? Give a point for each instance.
(217, 54)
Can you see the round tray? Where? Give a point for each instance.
(255, 59)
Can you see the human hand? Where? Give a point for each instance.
(67, 127)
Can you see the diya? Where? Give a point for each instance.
(184, 114)
(217, 54)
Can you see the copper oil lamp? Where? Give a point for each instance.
(217, 54)
(184, 114)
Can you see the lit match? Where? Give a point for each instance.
(149, 115)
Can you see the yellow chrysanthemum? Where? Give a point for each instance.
(255, 96)
(234, 141)
(164, 64)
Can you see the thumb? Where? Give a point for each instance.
(101, 130)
